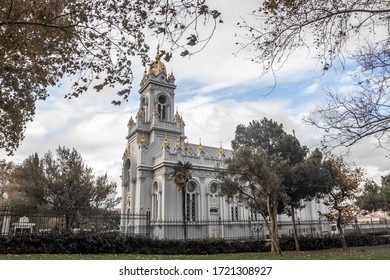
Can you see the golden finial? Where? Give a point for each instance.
(142, 141)
(157, 66)
(177, 115)
(178, 144)
(140, 113)
(221, 152)
(143, 78)
(126, 153)
(187, 148)
(200, 147)
(165, 142)
(155, 110)
(158, 52)
(177, 112)
(171, 76)
(131, 121)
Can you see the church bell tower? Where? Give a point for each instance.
(156, 124)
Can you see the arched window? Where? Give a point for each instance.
(234, 210)
(155, 202)
(144, 107)
(213, 188)
(191, 201)
(163, 107)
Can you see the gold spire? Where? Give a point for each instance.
(143, 78)
(221, 152)
(142, 141)
(177, 115)
(131, 121)
(171, 76)
(178, 144)
(200, 147)
(155, 110)
(157, 67)
(126, 153)
(140, 113)
(187, 148)
(165, 143)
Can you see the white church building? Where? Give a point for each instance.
(156, 141)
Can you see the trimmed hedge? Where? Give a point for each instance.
(114, 243)
(95, 243)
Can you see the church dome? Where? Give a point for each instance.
(157, 67)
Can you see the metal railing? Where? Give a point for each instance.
(78, 220)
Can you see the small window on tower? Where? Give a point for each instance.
(162, 107)
(162, 99)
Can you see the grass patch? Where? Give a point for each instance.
(380, 252)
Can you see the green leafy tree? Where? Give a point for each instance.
(254, 177)
(6, 169)
(91, 42)
(385, 192)
(370, 199)
(341, 197)
(63, 183)
(374, 197)
(303, 181)
(324, 29)
(181, 175)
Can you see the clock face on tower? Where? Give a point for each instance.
(162, 99)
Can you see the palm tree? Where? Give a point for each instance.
(180, 176)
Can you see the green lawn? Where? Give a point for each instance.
(381, 252)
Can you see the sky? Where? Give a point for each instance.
(216, 91)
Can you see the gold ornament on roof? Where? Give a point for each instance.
(165, 143)
(221, 152)
(187, 148)
(143, 78)
(155, 110)
(140, 113)
(200, 147)
(171, 76)
(178, 144)
(177, 115)
(131, 121)
(157, 67)
(142, 141)
(126, 153)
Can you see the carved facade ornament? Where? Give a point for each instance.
(142, 141)
(165, 143)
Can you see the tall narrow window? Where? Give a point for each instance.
(155, 202)
(234, 211)
(162, 107)
(191, 201)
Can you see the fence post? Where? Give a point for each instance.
(148, 226)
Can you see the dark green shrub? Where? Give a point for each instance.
(115, 243)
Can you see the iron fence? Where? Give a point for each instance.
(63, 220)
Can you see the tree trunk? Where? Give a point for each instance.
(183, 205)
(274, 227)
(341, 233)
(296, 240)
